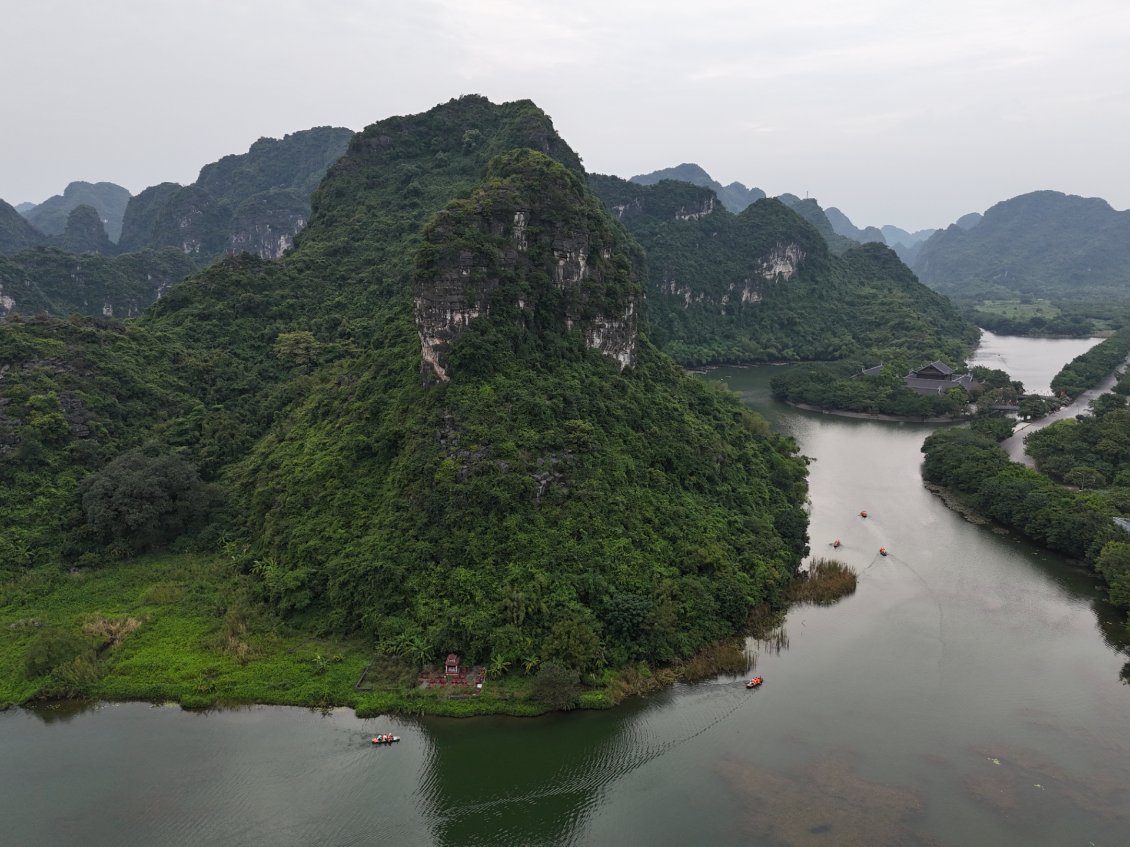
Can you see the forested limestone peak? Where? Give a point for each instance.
(533, 249)
(85, 232)
(254, 202)
(764, 286)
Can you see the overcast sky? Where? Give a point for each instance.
(906, 112)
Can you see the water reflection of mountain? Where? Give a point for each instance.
(513, 781)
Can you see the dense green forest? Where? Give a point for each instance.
(1091, 451)
(566, 495)
(839, 385)
(762, 286)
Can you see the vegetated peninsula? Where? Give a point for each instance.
(437, 425)
(1075, 503)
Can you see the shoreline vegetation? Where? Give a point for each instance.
(876, 416)
(177, 629)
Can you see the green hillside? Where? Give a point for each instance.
(249, 202)
(49, 280)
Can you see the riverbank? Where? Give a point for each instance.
(955, 503)
(184, 629)
(875, 416)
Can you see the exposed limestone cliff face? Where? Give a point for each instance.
(780, 264)
(694, 214)
(266, 231)
(532, 249)
(782, 261)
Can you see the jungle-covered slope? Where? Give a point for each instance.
(16, 233)
(542, 485)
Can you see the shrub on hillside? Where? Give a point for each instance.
(144, 501)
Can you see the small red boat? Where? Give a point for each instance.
(882, 551)
(385, 739)
(755, 682)
(863, 514)
(836, 543)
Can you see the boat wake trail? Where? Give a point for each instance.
(937, 605)
(640, 745)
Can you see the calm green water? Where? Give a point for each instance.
(969, 693)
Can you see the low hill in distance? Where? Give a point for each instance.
(842, 225)
(1040, 244)
(16, 233)
(1043, 263)
(734, 196)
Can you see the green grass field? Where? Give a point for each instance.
(199, 641)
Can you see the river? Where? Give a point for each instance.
(970, 692)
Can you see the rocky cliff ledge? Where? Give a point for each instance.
(533, 249)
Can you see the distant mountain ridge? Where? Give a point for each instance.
(253, 202)
(773, 282)
(107, 198)
(843, 225)
(734, 196)
(1041, 243)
